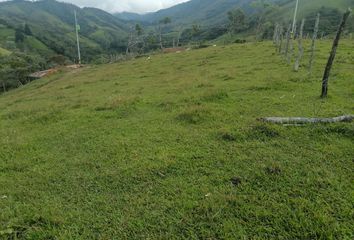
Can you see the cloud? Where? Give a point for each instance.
(139, 6)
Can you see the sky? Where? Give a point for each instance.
(138, 6)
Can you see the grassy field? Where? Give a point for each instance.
(170, 148)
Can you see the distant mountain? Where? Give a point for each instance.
(331, 13)
(53, 29)
(214, 12)
(286, 7)
(129, 16)
(205, 12)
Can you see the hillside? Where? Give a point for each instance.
(52, 26)
(170, 148)
(4, 52)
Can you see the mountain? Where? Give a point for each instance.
(308, 7)
(211, 12)
(129, 16)
(205, 12)
(330, 11)
(52, 30)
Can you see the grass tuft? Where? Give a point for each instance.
(193, 115)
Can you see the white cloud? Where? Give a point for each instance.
(139, 6)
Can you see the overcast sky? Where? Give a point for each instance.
(138, 6)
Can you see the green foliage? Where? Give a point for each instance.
(237, 20)
(28, 30)
(170, 148)
(139, 30)
(19, 36)
(165, 20)
(16, 67)
(329, 20)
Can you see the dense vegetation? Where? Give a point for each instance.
(170, 148)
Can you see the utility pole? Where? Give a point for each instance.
(295, 15)
(77, 38)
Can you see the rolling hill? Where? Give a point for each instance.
(169, 147)
(52, 26)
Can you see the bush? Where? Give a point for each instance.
(15, 68)
(241, 41)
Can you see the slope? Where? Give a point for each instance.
(4, 52)
(170, 148)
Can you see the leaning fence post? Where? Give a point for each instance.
(333, 54)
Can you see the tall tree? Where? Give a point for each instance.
(163, 22)
(237, 20)
(19, 36)
(262, 7)
(196, 29)
(28, 30)
(135, 39)
(139, 30)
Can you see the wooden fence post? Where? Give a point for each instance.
(281, 36)
(275, 34)
(333, 54)
(301, 49)
(287, 46)
(313, 45)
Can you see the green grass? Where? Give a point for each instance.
(170, 148)
(4, 52)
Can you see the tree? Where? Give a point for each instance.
(262, 7)
(28, 30)
(19, 36)
(196, 29)
(163, 22)
(237, 20)
(136, 41)
(139, 30)
(16, 67)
